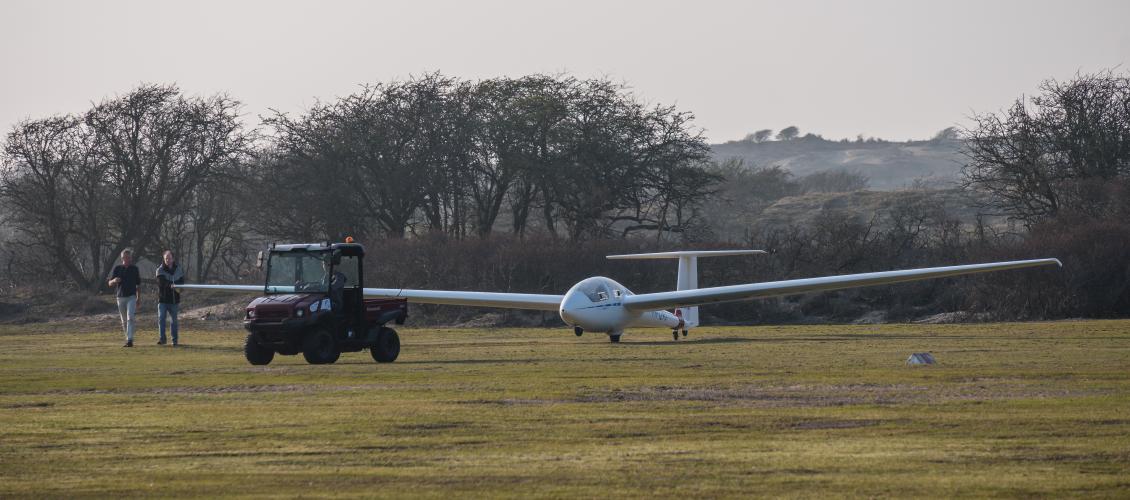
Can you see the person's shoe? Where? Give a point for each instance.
(175, 344)
(129, 343)
(161, 342)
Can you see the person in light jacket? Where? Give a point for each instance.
(168, 299)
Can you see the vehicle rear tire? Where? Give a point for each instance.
(255, 353)
(615, 339)
(387, 347)
(320, 348)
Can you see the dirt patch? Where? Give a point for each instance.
(228, 389)
(509, 402)
(761, 396)
(34, 305)
(950, 318)
(826, 395)
(230, 310)
(41, 404)
(434, 426)
(822, 424)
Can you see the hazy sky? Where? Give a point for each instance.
(892, 69)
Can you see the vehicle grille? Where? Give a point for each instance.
(272, 314)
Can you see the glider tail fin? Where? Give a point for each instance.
(688, 272)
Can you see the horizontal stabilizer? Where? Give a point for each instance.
(686, 253)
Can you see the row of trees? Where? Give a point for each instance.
(578, 158)
(152, 169)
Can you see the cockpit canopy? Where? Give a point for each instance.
(600, 289)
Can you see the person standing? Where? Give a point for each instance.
(168, 299)
(127, 279)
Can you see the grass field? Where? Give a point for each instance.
(1025, 409)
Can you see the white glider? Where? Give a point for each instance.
(600, 304)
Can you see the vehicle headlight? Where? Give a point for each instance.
(314, 307)
(250, 314)
(301, 313)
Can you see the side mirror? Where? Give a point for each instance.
(259, 260)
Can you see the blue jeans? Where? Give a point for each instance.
(127, 307)
(171, 310)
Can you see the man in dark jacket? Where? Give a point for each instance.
(127, 280)
(168, 299)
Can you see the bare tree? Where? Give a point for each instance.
(675, 181)
(158, 146)
(544, 109)
(377, 155)
(215, 209)
(1065, 149)
(52, 185)
(495, 151)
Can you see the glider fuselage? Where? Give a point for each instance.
(596, 304)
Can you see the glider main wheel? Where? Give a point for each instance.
(615, 339)
(320, 348)
(387, 346)
(255, 353)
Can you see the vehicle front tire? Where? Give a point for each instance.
(320, 348)
(255, 353)
(387, 347)
(615, 339)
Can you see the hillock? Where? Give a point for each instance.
(889, 165)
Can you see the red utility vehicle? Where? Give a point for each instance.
(314, 304)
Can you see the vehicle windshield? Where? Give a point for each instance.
(297, 271)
